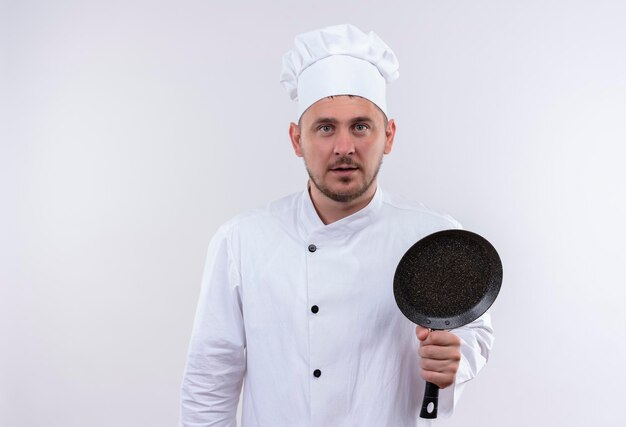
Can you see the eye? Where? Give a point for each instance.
(325, 128)
(361, 127)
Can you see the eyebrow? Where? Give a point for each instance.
(363, 119)
(324, 120)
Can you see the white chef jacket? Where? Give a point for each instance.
(303, 313)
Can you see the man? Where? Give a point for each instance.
(297, 297)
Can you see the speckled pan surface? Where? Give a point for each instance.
(447, 279)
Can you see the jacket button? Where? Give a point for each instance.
(317, 373)
(312, 248)
(315, 309)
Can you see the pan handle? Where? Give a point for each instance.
(430, 402)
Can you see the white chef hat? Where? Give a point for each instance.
(338, 60)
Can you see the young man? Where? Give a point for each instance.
(297, 298)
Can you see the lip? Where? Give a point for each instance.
(344, 170)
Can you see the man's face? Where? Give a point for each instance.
(342, 140)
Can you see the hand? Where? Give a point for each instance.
(440, 353)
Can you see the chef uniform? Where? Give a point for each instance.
(302, 313)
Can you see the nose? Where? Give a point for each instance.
(344, 143)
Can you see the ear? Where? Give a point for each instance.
(296, 139)
(390, 133)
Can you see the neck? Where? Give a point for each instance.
(330, 210)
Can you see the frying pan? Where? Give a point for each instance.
(446, 280)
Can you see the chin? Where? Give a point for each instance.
(343, 194)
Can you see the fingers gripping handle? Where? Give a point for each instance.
(431, 400)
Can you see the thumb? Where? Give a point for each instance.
(421, 332)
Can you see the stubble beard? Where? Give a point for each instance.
(347, 196)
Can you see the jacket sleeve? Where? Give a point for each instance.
(476, 342)
(216, 357)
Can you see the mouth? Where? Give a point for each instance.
(344, 167)
(344, 170)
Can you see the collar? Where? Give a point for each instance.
(310, 224)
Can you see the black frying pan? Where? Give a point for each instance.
(444, 281)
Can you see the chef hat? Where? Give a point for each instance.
(338, 60)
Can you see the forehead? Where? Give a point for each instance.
(342, 108)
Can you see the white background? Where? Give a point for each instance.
(131, 129)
